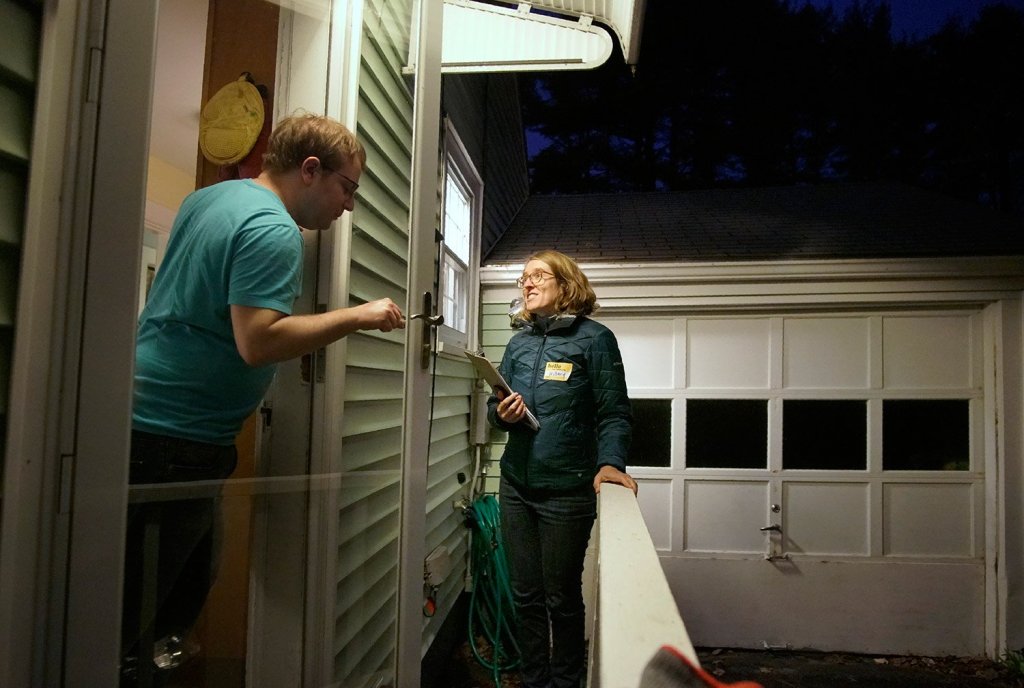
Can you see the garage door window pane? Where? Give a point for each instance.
(823, 434)
(652, 433)
(925, 435)
(726, 433)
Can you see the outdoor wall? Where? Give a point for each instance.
(485, 108)
(368, 515)
(17, 92)
(368, 510)
(655, 302)
(495, 331)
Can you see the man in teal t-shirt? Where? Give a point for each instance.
(217, 321)
(233, 243)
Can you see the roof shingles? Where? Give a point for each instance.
(866, 220)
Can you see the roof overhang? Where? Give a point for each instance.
(484, 37)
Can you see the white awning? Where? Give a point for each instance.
(625, 17)
(481, 37)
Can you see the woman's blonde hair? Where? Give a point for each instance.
(575, 295)
(302, 135)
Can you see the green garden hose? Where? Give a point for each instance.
(491, 614)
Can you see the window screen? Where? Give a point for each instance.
(652, 433)
(925, 435)
(824, 434)
(726, 433)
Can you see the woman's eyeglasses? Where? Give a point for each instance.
(536, 277)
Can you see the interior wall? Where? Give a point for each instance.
(167, 185)
(241, 37)
(177, 95)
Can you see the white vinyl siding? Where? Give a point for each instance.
(18, 77)
(495, 331)
(369, 518)
(450, 455)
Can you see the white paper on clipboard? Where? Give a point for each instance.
(491, 376)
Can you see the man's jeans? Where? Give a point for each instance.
(545, 534)
(183, 536)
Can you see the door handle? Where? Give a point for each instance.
(430, 323)
(432, 320)
(773, 553)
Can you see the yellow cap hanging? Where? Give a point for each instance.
(231, 122)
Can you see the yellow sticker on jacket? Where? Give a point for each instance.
(557, 371)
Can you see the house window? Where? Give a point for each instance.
(726, 433)
(652, 433)
(823, 434)
(460, 238)
(926, 435)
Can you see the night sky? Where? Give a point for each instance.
(919, 18)
(911, 19)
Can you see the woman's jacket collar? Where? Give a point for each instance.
(546, 324)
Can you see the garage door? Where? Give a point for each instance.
(815, 480)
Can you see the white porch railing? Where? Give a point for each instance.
(631, 610)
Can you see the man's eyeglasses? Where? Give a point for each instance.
(350, 186)
(536, 277)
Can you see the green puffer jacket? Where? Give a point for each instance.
(570, 374)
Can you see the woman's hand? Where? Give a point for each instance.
(512, 408)
(611, 474)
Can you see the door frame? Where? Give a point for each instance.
(112, 261)
(79, 303)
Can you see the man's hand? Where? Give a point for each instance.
(611, 474)
(264, 336)
(382, 314)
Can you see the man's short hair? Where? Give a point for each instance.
(300, 136)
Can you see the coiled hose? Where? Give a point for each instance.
(491, 615)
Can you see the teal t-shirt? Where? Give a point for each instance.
(232, 243)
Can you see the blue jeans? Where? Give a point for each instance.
(180, 537)
(545, 534)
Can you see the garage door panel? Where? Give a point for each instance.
(655, 501)
(826, 353)
(728, 353)
(725, 516)
(926, 352)
(826, 518)
(849, 606)
(647, 347)
(929, 520)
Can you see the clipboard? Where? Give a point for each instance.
(486, 370)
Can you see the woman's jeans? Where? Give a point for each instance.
(545, 534)
(178, 538)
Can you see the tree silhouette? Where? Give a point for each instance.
(760, 92)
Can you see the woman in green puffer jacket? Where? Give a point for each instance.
(566, 369)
